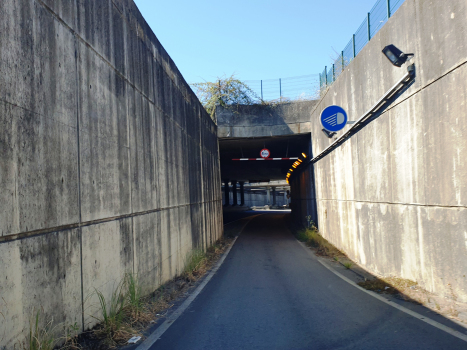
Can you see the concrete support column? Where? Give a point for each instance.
(226, 193)
(234, 192)
(274, 196)
(268, 195)
(242, 193)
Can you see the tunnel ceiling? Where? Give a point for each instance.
(254, 171)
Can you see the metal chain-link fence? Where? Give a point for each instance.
(375, 19)
(305, 87)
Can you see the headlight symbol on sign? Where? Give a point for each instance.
(333, 118)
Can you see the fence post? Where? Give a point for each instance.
(333, 73)
(388, 3)
(343, 63)
(320, 81)
(368, 26)
(280, 90)
(261, 90)
(326, 75)
(353, 45)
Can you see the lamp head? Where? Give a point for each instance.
(396, 56)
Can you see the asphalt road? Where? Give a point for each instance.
(230, 216)
(270, 293)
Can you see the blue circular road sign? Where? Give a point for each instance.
(333, 118)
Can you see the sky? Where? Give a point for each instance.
(253, 39)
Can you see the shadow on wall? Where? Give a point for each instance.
(394, 195)
(264, 120)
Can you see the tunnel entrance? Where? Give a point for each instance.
(248, 180)
(251, 181)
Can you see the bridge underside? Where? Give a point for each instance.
(260, 171)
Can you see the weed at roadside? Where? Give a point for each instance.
(44, 335)
(111, 325)
(134, 295)
(40, 338)
(136, 309)
(126, 312)
(312, 238)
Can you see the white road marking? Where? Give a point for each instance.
(146, 345)
(393, 304)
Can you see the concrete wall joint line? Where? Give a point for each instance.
(389, 108)
(93, 49)
(452, 69)
(27, 234)
(37, 114)
(393, 196)
(106, 61)
(421, 88)
(78, 160)
(392, 203)
(95, 184)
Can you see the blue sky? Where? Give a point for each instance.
(254, 39)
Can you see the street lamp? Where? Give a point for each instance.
(396, 56)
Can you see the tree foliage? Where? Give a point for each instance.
(224, 92)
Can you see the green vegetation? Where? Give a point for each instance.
(40, 338)
(197, 261)
(194, 261)
(127, 312)
(135, 302)
(111, 313)
(224, 92)
(347, 265)
(43, 335)
(312, 238)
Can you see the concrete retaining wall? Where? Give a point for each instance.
(264, 120)
(108, 164)
(394, 196)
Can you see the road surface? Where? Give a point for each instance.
(270, 293)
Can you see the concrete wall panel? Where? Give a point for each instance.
(38, 122)
(259, 120)
(393, 196)
(148, 250)
(39, 274)
(105, 190)
(407, 178)
(103, 144)
(445, 135)
(107, 256)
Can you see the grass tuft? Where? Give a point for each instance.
(312, 238)
(42, 334)
(347, 265)
(134, 295)
(112, 314)
(195, 264)
(126, 313)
